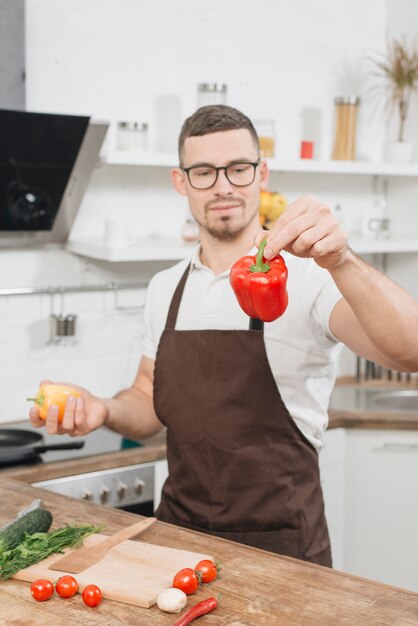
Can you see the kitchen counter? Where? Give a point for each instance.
(357, 406)
(93, 463)
(349, 411)
(258, 588)
(343, 418)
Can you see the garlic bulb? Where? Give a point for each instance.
(172, 600)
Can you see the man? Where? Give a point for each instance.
(245, 409)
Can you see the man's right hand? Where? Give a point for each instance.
(81, 415)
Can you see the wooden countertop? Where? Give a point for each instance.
(93, 463)
(350, 417)
(364, 419)
(258, 588)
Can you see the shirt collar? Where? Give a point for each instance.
(195, 262)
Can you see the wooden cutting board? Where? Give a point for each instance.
(132, 572)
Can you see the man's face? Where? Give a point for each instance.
(224, 210)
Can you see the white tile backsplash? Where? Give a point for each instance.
(107, 346)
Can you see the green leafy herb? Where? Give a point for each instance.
(38, 546)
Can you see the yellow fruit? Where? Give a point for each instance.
(277, 207)
(265, 202)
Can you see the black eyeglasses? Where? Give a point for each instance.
(205, 176)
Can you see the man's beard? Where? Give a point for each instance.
(224, 230)
(227, 227)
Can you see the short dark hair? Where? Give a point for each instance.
(212, 119)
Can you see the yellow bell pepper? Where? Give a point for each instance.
(53, 394)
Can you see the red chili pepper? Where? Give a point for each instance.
(260, 286)
(201, 608)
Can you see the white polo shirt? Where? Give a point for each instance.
(300, 347)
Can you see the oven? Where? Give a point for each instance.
(131, 488)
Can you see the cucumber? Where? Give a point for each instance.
(36, 521)
(35, 504)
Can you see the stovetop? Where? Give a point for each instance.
(99, 441)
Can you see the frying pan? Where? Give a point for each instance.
(25, 445)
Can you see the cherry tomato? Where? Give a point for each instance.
(41, 589)
(92, 596)
(208, 570)
(186, 580)
(66, 586)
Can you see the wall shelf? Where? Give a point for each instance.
(366, 245)
(144, 249)
(149, 159)
(172, 249)
(343, 167)
(303, 166)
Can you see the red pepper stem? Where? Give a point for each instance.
(259, 265)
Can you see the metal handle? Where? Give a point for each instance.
(397, 445)
(71, 445)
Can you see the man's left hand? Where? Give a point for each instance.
(308, 228)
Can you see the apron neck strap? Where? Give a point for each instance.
(175, 301)
(256, 324)
(173, 310)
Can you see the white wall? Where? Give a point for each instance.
(402, 23)
(108, 340)
(112, 60)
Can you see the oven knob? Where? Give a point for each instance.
(86, 494)
(104, 494)
(122, 489)
(139, 486)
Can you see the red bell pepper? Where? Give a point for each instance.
(260, 286)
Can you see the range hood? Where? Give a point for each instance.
(46, 161)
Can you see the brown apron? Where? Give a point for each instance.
(239, 467)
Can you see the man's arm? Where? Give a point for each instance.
(376, 318)
(131, 412)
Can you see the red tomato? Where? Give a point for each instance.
(92, 596)
(41, 589)
(186, 580)
(208, 570)
(66, 586)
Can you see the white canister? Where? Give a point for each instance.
(398, 152)
(211, 93)
(117, 233)
(376, 225)
(132, 136)
(167, 123)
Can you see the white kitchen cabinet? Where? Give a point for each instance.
(332, 469)
(160, 475)
(151, 249)
(174, 249)
(381, 507)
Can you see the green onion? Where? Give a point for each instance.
(38, 546)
